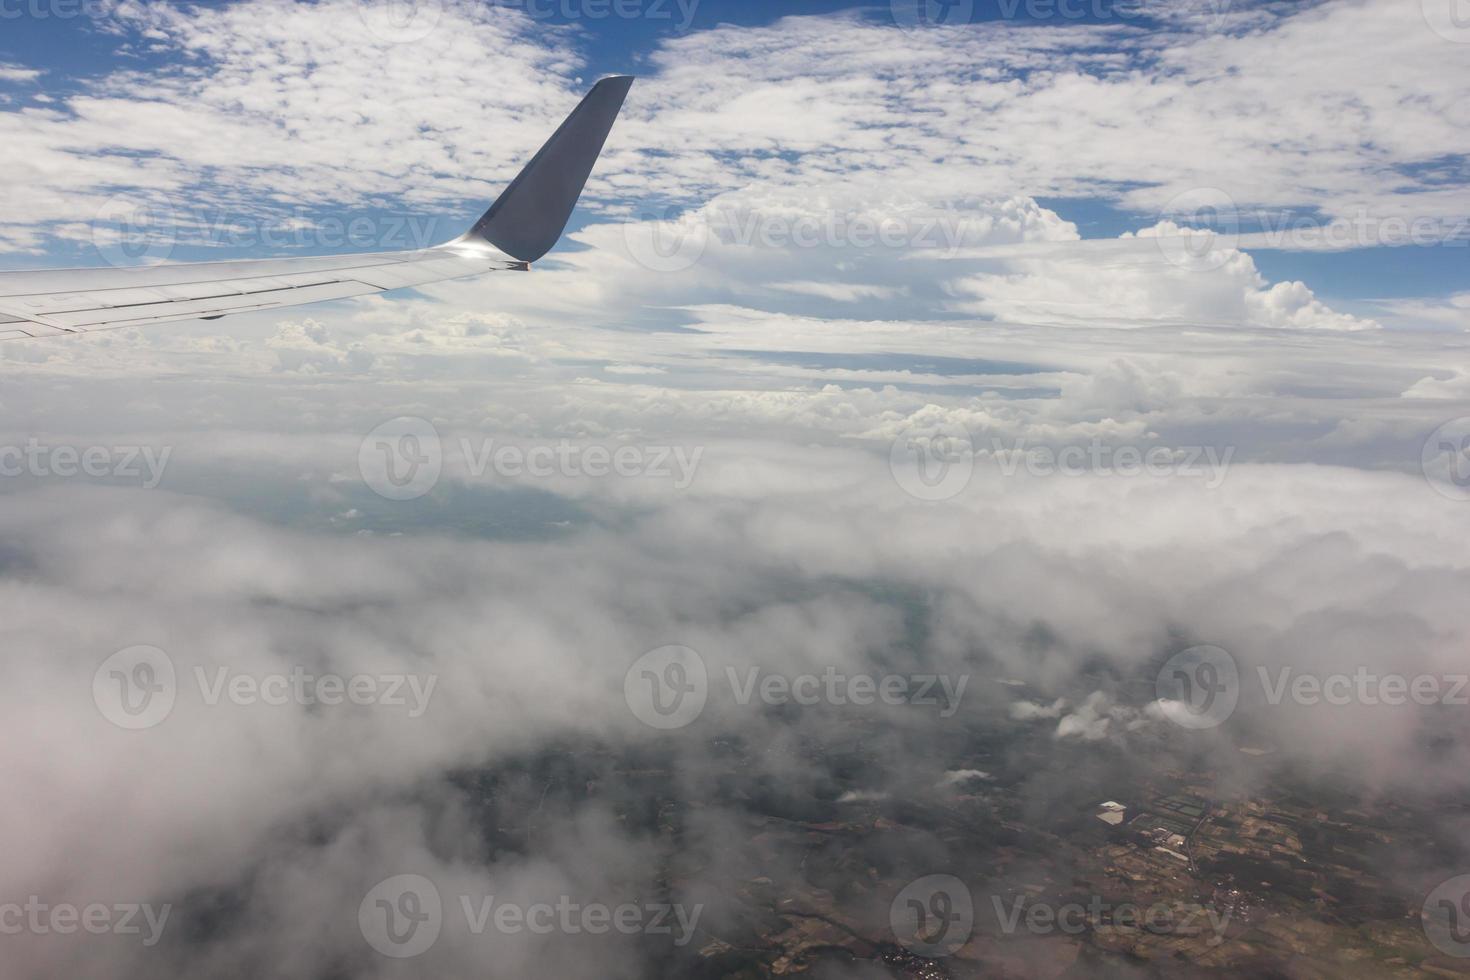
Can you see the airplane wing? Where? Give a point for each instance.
(523, 224)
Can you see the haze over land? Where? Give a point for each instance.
(917, 372)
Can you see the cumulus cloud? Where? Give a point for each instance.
(1139, 104)
(1451, 312)
(1167, 273)
(256, 138)
(855, 263)
(794, 512)
(1028, 710)
(264, 130)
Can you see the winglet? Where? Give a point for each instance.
(529, 217)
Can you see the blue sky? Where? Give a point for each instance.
(80, 57)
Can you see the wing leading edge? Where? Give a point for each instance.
(523, 224)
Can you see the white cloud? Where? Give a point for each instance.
(1142, 280)
(1321, 568)
(1451, 312)
(794, 351)
(840, 291)
(16, 73)
(295, 560)
(1292, 305)
(1139, 105)
(1029, 710)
